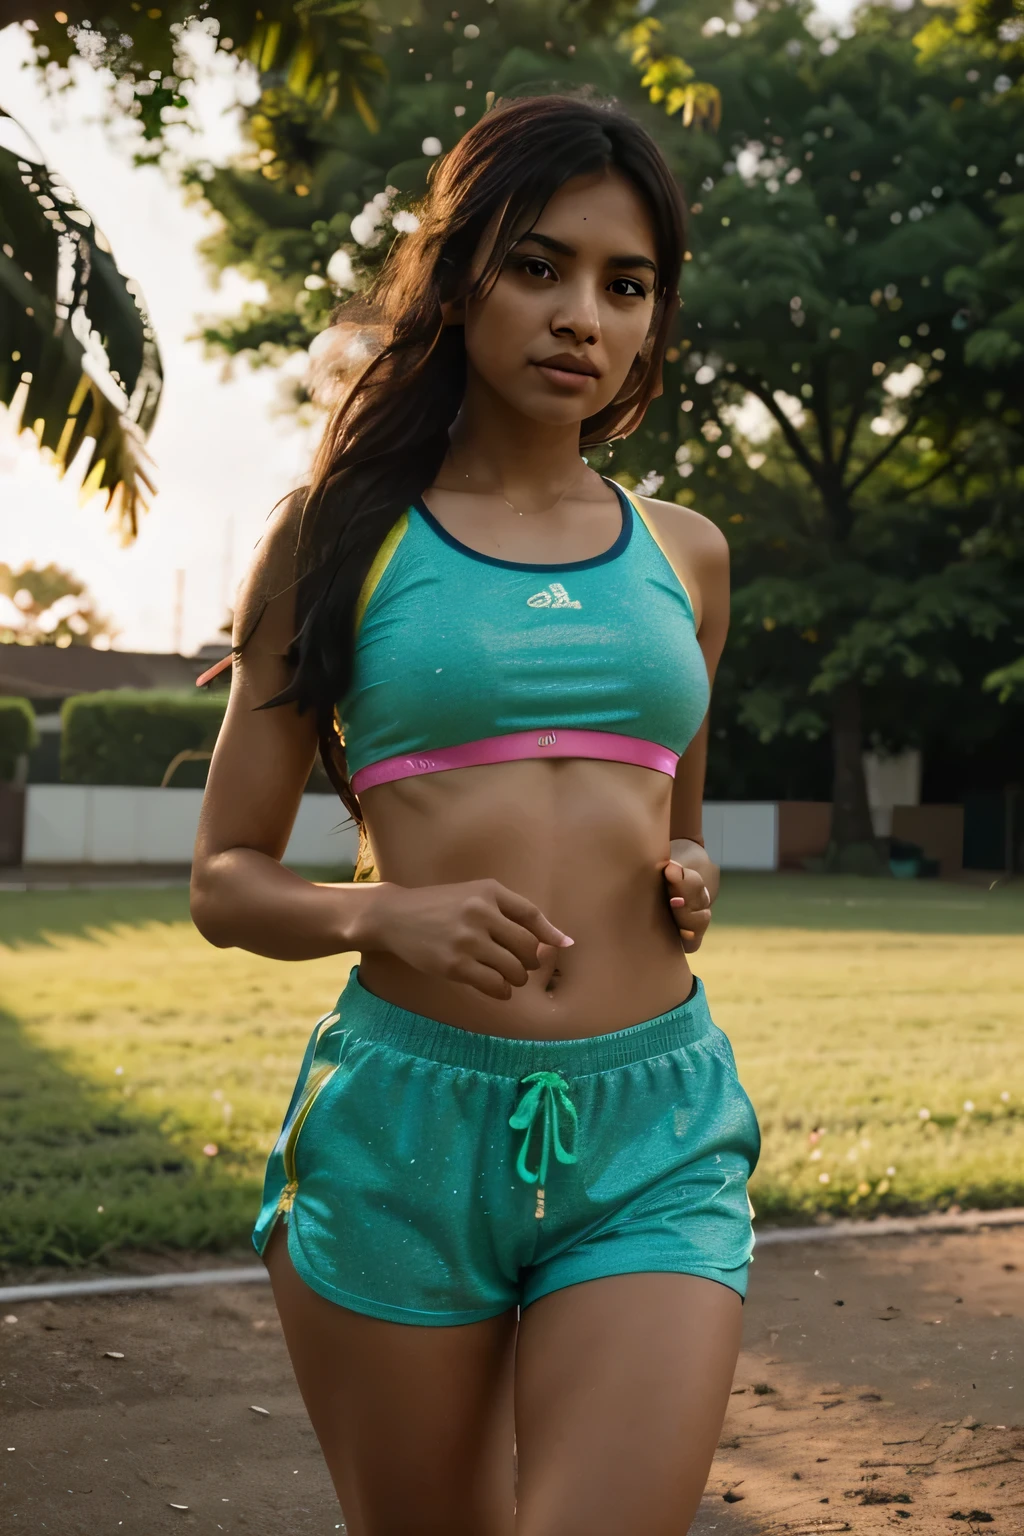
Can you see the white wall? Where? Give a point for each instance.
(113, 824)
(891, 781)
(742, 834)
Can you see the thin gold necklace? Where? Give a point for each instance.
(504, 498)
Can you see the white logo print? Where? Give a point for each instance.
(554, 596)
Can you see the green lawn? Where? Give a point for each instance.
(127, 1045)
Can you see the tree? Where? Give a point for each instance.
(345, 105)
(332, 118)
(324, 53)
(49, 606)
(308, 211)
(845, 398)
(832, 309)
(321, 51)
(78, 358)
(873, 544)
(996, 27)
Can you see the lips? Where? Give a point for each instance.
(568, 374)
(565, 362)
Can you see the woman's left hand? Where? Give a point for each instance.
(689, 879)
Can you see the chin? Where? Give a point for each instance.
(550, 410)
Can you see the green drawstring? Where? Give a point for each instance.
(547, 1089)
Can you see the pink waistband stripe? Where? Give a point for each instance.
(608, 746)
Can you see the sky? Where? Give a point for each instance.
(221, 454)
(221, 458)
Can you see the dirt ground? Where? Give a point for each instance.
(879, 1390)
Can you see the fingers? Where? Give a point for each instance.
(521, 944)
(472, 973)
(516, 950)
(530, 917)
(692, 928)
(496, 955)
(496, 941)
(688, 884)
(690, 901)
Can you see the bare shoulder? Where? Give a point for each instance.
(699, 541)
(699, 553)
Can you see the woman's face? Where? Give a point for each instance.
(558, 332)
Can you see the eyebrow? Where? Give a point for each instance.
(560, 246)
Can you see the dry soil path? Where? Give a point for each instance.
(879, 1390)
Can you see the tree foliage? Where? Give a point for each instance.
(322, 51)
(848, 375)
(78, 359)
(48, 606)
(845, 394)
(668, 79)
(18, 735)
(131, 736)
(333, 78)
(995, 27)
(308, 211)
(845, 397)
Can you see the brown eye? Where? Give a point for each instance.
(633, 288)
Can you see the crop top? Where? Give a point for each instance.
(464, 659)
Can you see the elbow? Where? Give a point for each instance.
(206, 906)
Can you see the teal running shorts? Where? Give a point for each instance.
(431, 1175)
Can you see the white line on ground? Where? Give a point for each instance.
(893, 1226)
(882, 1226)
(20, 886)
(50, 1289)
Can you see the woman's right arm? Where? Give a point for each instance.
(478, 933)
(242, 895)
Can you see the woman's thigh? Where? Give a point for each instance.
(621, 1387)
(415, 1423)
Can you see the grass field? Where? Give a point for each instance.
(877, 1026)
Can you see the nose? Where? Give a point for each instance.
(576, 316)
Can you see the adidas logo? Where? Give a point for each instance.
(554, 596)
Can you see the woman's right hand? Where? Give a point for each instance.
(476, 932)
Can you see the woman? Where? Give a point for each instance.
(509, 1197)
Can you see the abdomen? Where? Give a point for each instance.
(581, 839)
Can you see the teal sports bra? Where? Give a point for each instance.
(463, 659)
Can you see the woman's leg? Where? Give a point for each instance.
(621, 1387)
(415, 1423)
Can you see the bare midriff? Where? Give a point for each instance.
(584, 841)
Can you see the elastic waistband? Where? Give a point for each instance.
(371, 1018)
(607, 746)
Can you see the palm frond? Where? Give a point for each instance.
(78, 358)
(319, 50)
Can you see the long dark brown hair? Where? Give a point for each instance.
(387, 438)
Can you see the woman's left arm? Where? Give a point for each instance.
(700, 551)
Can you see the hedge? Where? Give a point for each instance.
(18, 734)
(131, 737)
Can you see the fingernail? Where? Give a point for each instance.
(677, 901)
(707, 896)
(566, 941)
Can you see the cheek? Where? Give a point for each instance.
(499, 330)
(487, 334)
(502, 329)
(625, 331)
